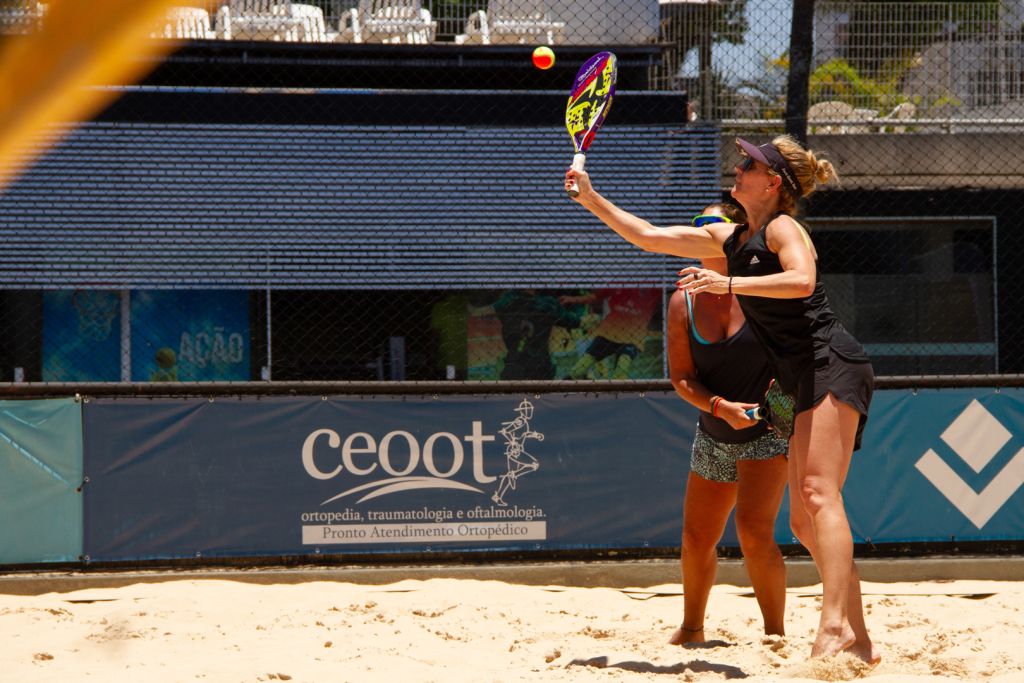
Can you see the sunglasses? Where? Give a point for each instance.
(706, 219)
(746, 164)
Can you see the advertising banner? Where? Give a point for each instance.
(297, 476)
(41, 465)
(940, 465)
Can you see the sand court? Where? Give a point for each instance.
(448, 629)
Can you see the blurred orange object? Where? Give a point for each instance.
(53, 75)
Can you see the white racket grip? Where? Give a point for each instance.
(577, 165)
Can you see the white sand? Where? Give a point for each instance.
(480, 631)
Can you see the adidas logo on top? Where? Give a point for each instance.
(754, 261)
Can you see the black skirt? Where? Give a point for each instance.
(850, 379)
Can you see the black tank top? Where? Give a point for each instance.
(734, 368)
(795, 333)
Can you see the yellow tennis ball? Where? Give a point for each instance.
(543, 57)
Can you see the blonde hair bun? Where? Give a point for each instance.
(824, 171)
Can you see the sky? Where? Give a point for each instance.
(767, 37)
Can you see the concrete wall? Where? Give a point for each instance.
(912, 160)
(607, 22)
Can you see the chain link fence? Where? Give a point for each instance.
(356, 190)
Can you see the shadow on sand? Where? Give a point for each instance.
(695, 666)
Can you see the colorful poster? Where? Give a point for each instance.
(190, 336)
(174, 336)
(81, 336)
(613, 333)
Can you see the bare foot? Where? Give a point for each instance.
(866, 651)
(685, 636)
(833, 640)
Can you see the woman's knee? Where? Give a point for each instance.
(817, 494)
(756, 539)
(700, 539)
(753, 525)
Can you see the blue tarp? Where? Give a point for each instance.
(41, 466)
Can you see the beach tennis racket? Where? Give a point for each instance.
(589, 104)
(778, 409)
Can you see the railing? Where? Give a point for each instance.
(945, 66)
(883, 124)
(956, 65)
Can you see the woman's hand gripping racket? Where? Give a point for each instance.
(778, 410)
(589, 104)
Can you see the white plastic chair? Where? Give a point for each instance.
(902, 112)
(387, 21)
(829, 117)
(222, 25)
(263, 20)
(312, 27)
(513, 21)
(189, 23)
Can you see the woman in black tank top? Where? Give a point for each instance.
(773, 272)
(716, 364)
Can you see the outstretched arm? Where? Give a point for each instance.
(682, 241)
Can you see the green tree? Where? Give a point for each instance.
(836, 79)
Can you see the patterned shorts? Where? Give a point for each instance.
(716, 461)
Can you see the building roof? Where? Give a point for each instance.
(164, 205)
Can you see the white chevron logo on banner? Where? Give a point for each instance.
(976, 436)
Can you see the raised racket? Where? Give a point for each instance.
(589, 104)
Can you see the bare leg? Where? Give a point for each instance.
(705, 512)
(820, 454)
(863, 647)
(761, 485)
